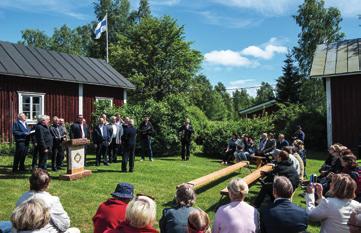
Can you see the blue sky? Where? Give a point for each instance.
(243, 41)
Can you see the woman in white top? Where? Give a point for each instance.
(59, 219)
(333, 212)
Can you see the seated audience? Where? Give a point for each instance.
(139, 217)
(270, 144)
(350, 167)
(297, 161)
(31, 216)
(332, 163)
(299, 148)
(281, 142)
(283, 215)
(262, 143)
(283, 167)
(112, 212)
(231, 148)
(175, 220)
(237, 216)
(239, 154)
(39, 183)
(355, 221)
(333, 212)
(198, 222)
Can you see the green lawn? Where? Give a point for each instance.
(159, 178)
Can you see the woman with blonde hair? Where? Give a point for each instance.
(31, 216)
(198, 222)
(139, 217)
(237, 216)
(333, 212)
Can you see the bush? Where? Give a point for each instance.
(215, 135)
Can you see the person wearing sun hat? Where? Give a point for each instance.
(112, 212)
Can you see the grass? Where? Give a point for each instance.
(159, 178)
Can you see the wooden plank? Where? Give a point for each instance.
(330, 65)
(204, 180)
(341, 63)
(253, 177)
(352, 57)
(319, 58)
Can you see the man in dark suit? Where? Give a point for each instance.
(146, 130)
(44, 140)
(283, 216)
(129, 142)
(186, 131)
(22, 138)
(281, 142)
(57, 152)
(79, 129)
(101, 139)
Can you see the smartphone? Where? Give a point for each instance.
(313, 178)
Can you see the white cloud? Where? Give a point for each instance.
(265, 51)
(227, 58)
(65, 7)
(165, 2)
(348, 8)
(226, 21)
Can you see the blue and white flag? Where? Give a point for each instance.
(101, 27)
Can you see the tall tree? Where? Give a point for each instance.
(288, 86)
(35, 38)
(318, 25)
(221, 89)
(241, 100)
(264, 93)
(200, 94)
(156, 58)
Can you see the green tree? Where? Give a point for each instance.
(264, 93)
(142, 12)
(226, 98)
(200, 94)
(288, 86)
(318, 25)
(35, 38)
(240, 100)
(156, 58)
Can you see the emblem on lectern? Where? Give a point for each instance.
(77, 158)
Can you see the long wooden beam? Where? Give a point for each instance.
(204, 180)
(253, 177)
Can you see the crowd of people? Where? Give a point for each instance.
(110, 139)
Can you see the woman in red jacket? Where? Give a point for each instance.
(139, 217)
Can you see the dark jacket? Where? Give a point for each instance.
(129, 136)
(186, 134)
(175, 220)
(299, 134)
(43, 137)
(21, 133)
(75, 131)
(145, 130)
(285, 168)
(270, 146)
(98, 138)
(280, 145)
(55, 132)
(284, 217)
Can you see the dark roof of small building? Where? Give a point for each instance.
(256, 108)
(337, 59)
(24, 61)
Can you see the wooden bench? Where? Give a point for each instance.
(204, 180)
(260, 161)
(253, 177)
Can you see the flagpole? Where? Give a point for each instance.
(106, 15)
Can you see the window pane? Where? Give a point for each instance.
(26, 107)
(36, 107)
(35, 115)
(26, 99)
(27, 114)
(36, 100)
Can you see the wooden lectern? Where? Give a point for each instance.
(75, 159)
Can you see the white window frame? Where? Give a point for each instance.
(31, 94)
(104, 98)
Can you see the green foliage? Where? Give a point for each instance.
(318, 25)
(289, 85)
(264, 93)
(35, 38)
(156, 58)
(312, 121)
(7, 148)
(241, 100)
(215, 135)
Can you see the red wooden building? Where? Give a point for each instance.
(37, 81)
(339, 64)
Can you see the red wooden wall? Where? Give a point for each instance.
(61, 99)
(346, 110)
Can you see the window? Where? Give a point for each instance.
(31, 104)
(104, 101)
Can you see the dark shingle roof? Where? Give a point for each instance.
(335, 59)
(258, 107)
(20, 60)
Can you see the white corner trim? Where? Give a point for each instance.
(81, 94)
(329, 111)
(125, 96)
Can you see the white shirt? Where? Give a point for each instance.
(115, 130)
(24, 124)
(82, 130)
